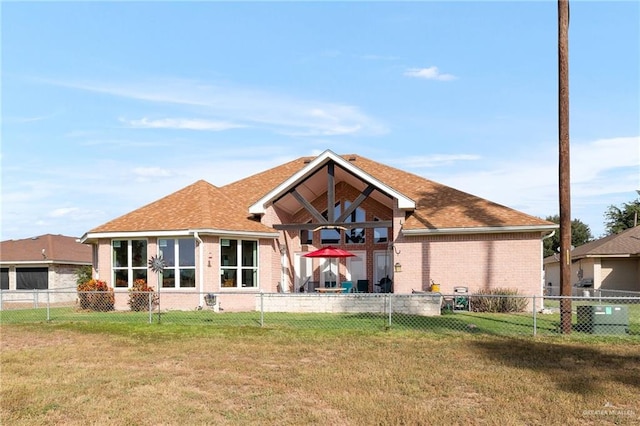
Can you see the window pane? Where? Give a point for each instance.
(228, 278)
(187, 250)
(140, 274)
(120, 254)
(138, 253)
(355, 236)
(169, 278)
(329, 236)
(187, 277)
(168, 251)
(229, 252)
(249, 253)
(249, 278)
(121, 278)
(306, 237)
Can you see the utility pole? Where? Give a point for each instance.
(564, 166)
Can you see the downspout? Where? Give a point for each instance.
(200, 266)
(542, 280)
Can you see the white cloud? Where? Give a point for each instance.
(182, 124)
(435, 160)
(151, 172)
(431, 73)
(260, 109)
(604, 172)
(63, 212)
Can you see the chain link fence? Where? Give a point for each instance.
(423, 312)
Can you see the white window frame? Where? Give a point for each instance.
(239, 268)
(129, 268)
(177, 267)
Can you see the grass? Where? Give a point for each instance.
(78, 373)
(460, 322)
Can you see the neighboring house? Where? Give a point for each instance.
(612, 262)
(46, 262)
(251, 235)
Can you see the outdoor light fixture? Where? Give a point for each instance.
(397, 267)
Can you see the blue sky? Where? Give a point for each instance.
(109, 106)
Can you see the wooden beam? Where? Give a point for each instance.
(348, 225)
(331, 191)
(307, 205)
(363, 196)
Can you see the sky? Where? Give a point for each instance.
(108, 106)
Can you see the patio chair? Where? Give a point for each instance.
(347, 286)
(362, 286)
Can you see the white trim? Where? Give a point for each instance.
(46, 263)
(479, 230)
(404, 202)
(177, 233)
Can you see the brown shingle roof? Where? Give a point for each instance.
(198, 206)
(57, 248)
(625, 243)
(437, 206)
(204, 206)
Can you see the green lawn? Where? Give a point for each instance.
(460, 322)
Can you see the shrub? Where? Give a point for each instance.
(96, 295)
(139, 296)
(498, 300)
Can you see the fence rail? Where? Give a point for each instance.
(427, 312)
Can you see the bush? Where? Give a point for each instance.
(96, 295)
(139, 296)
(498, 300)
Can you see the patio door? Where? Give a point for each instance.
(328, 271)
(381, 267)
(356, 267)
(303, 271)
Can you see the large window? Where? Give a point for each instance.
(179, 256)
(32, 278)
(129, 262)
(4, 278)
(355, 235)
(239, 263)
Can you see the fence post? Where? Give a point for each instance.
(150, 307)
(35, 298)
(1, 292)
(389, 297)
(261, 309)
(48, 306)
(535, 308)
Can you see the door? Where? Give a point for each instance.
(303, 271)
(328, 271)
(381, 268)
(356, 267)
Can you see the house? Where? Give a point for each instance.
(610, 264)
(45, 262)
(251, 235)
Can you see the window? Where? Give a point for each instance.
(330, 236)
(380, 235)
(129, 262)
(179, 256)
(32, 278)
(4, 278)
(239, 263)
(355, 235)
(306, 236)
